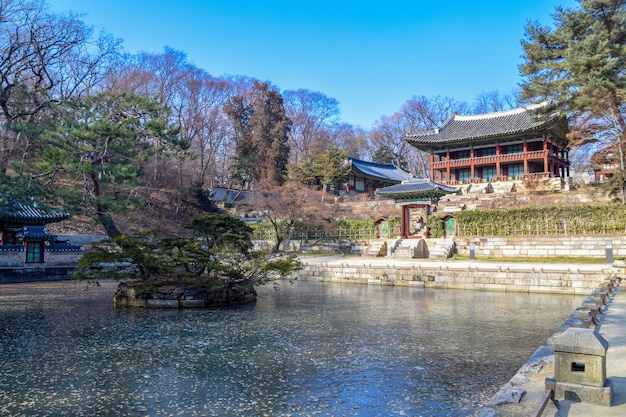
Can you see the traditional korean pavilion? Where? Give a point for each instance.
(605, 163)
(518, 144)
(416, 197)
(23, 227)
(366, 177)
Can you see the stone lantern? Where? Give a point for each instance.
(580, 367)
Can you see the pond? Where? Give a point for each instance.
(308, 349)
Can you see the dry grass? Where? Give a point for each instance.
(166, 211)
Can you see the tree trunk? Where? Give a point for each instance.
(276, 247)
(103, 217)
(109, 224)
(620, 127)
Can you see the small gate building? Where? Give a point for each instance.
(26, 245)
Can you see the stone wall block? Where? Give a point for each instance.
(192, 303)
(159, 303)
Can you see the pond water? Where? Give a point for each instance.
(308, 349)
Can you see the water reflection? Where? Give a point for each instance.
(307, 349)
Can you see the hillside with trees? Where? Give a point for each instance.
(132, 142)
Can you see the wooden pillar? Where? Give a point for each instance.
(448, 165)
(498, 160)
(405, 222)
(472, 163)
(525, 153)
(546, 167)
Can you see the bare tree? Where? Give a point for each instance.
(196, 100)
(388, 135)
(493, 101)
(352, 139)
(417, 114)
(425, 114)
(203, 122)
(44, 59)
(314, 118)
(285, 206)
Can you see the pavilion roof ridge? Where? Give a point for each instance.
(501, 113)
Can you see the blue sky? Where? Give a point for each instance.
(372, 56)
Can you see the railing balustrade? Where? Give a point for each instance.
(318, 234)
(491, 159)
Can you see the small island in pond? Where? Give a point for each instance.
(215, 266)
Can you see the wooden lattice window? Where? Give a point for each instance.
(34, 252)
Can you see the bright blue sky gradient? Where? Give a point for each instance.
(372, 56)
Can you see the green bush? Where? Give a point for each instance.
(435, 226)
(543, 220)
(355, 224)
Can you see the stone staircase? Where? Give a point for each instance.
(437, 248)
(404, 248)
(376, 247)
(440, 248)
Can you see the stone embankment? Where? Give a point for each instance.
(469, 275)
(173, 296)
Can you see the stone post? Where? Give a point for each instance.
(580, 367)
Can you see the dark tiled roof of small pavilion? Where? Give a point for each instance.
(34, 213)
(509, 123)
(36, 233)
(385, 172)
(416, 188)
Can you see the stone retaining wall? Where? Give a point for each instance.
(535, 246)
(16, 258)
(496, 278)
(35, 274)
(58, 265)
(169, 296)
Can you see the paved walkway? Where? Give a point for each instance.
(613, 328)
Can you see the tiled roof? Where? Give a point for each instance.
(34, 213)
(36, 233)
(386, 172)
(416, 188)
(489, 125)
(227, 195)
